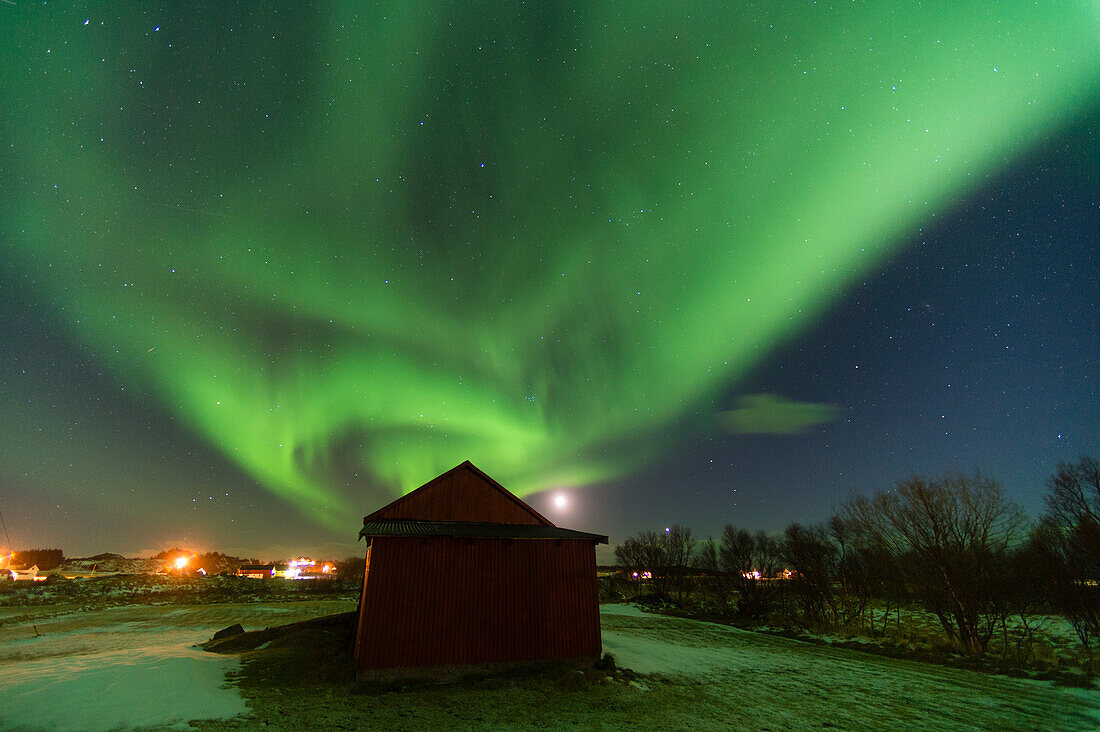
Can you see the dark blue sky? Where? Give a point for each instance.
(976, 347)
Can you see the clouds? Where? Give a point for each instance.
(770, 414)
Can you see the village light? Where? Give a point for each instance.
(181, 562)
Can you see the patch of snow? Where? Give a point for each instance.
(155, 685)
(782, 683)
(649, 656)
(126, 667)
(632, 611)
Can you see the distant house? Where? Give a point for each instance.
(256, 571)
(462, 571)
(24, 574)
(311, 570)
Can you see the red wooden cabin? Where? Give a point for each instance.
(461, 571)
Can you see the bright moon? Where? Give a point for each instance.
(560, 501)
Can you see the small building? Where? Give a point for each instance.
(317, 570)
(25, 574)
(285, 570)
(256, 571)
(461, 571)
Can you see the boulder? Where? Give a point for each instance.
(227, 632)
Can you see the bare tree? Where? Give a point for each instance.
(632, 556)
(1025, 596)
(885, 582)
(736, 553)
(1074, 493)
(643, 553)
(750, 561)
(807, 550)
(853, 561)
(350, 569)
(1067, 541)
(831, 573)
(714, 583)
(627, 555)
(950, 537)
(651, 551)
(679, 553)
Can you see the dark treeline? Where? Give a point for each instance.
(44, 559)
(352, 569)
(953, 546)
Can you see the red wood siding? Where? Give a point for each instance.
(461, 494)
(436, 601)
(362, 598)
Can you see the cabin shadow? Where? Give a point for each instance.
(319, 653)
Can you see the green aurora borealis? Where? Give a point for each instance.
(351, 248)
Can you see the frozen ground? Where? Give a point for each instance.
(134, 666)
(777, 683)
(128, 667)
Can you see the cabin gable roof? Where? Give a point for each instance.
(464, 493)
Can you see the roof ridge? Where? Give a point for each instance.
(480, 473)
(471, 530)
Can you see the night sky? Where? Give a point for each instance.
(263, 268)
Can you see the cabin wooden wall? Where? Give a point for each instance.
(442, 600)
(362, 597)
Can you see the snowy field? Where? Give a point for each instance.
(128, 667)
(770, 682)
(135, 666)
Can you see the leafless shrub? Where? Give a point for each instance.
(667, 557)
(750, 561)
(950, 539)
(830, 585)
(1067, 543)
(351, 569)
(713, 583)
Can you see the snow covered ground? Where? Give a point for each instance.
(134, 666)
(128, 667)
(778, 683)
